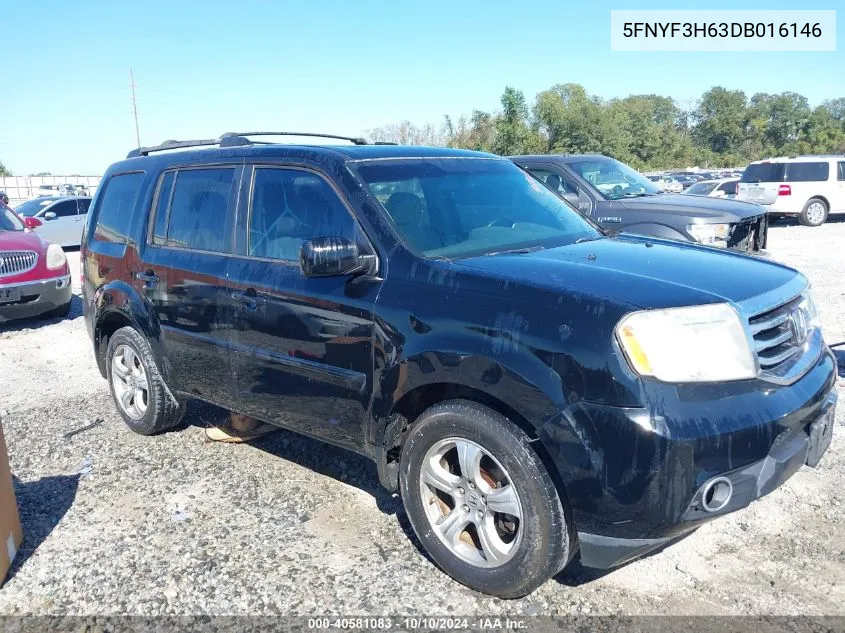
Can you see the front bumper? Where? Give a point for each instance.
(36, 297)
(636, 478)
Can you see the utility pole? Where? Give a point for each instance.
(134, 107)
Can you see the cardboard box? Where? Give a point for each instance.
(11, 534)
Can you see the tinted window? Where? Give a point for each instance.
(613, 179)
(471, 206)
(83, 205)
(162, 202)
(729, 188)
(198, 209)
(65, 209)
(763, 172)
(115, 207)
(807, 172)
(841, 170)
(290, 206)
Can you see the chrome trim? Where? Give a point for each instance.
(787, 366)
(21, 258)
(38, 281)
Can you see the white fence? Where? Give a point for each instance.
(20, 188)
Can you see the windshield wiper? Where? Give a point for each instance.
(524, 249)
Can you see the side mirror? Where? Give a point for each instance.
(330, 256)
(50, 215)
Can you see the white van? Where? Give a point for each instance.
(810, 187)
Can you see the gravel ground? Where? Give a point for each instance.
(118, 523)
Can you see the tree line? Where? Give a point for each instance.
(724, 128)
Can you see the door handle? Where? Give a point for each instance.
(148, 277)
(250, 299)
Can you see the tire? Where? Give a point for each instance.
(542, 543)
(61, 312)
(155, 410)
(814, 212)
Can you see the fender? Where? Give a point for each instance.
(656, 230)
(119, 300)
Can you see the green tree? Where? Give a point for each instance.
(3, 170)
(512, 134)
(720, 120)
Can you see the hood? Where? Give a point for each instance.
(694, 206)
(21, 241)
(642, 272)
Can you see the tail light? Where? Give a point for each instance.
(784, 190)
(31, 223)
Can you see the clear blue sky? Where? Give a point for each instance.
(203, 68)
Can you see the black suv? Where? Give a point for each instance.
(534, 389)
(621, 199)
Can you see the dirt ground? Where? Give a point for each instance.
(118, 523)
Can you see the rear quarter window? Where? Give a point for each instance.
(763, 172)
(807, 172)
(116, 205)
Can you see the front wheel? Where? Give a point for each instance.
(814, 213)
(481, 501)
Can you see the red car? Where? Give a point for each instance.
(34, 274)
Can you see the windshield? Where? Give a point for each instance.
(9, 221)
(613, 179)
(32, 207)
(461, 207)
(701, 188)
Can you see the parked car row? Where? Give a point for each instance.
(536, 387)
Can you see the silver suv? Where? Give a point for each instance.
(809, 187)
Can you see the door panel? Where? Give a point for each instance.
(302, 348)
(183, 277)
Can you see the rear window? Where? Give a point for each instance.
(116, 204)
(807, 172)
(763, 172)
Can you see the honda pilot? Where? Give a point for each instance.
(534, 389)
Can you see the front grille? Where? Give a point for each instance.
(777, 336)
(17, 262)
(749, 235)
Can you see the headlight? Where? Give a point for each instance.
(712, 234)
(692, 344)
(809, 304)
(55, 256)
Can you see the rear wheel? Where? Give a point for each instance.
(481, 501)
(814, 213)
(142, 399)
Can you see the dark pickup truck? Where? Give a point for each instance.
(621, 199)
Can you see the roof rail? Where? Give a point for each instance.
(242, 135)
(145, 151)
(237, 139)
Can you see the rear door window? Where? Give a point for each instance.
(198, 213)
(116, 205)
(807, 172)
(763, 172)
(841, 175)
